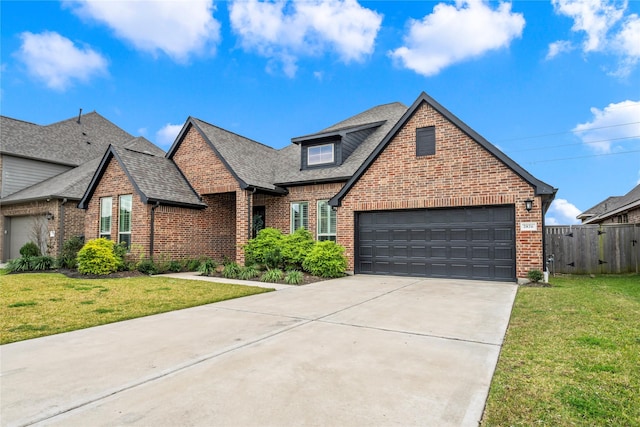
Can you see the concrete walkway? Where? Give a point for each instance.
(356, 351)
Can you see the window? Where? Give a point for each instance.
(105, 217)
(326, 221)
(320, 154)
(299, 215)
(124, 220)
(426, 141)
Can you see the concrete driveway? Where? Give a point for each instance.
(362, 350)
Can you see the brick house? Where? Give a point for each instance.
(406, 190)
(615, 210)
(45, 171)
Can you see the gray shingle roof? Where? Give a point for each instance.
(67, 142)
(611, 206)
(155, 178)
(252, 162)
(70, 184)
(289, 170)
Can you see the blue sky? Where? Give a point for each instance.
(554, 84)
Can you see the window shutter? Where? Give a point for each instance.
(426, 141)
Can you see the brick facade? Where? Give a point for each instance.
(461, 173)
(68, 218)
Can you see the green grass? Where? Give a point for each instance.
(35, 305)
(571, 356)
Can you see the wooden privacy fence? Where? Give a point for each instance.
(593, 249)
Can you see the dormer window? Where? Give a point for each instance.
(320, 154)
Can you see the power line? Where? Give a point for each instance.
(577, 143)
(583, 157)
(566, 132)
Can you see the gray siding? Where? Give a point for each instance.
(352, 140)
(19, 173)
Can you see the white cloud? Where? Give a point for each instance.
(455, 33)
(284, 31)
(606, 29)
(561, 212)
(558, 47)
(615, 124)
(167, 135)
(177, 28)
(57, 61)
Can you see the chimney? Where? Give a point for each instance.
(79, 115)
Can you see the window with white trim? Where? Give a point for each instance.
(124, 220)
(320, 154)
(105, 217)
(299, 215)
(326, 221)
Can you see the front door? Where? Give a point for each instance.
(258, 220)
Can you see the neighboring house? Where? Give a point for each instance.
(45, 171)
(615, 210)
(407, 191)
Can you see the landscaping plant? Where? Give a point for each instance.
(207, 267)
(294, 277)
(257, 250)
(295, 247)
(326, 259)
(231, 270)
(248, 272)
(30, 249)
(271, 276)
(97, 256)
(69, 254)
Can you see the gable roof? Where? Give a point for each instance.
(68, 185)
(68, 142)
(156, 179)
(250, 162)
(540, 187)
(612, 206)
(379, 119)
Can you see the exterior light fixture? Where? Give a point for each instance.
(528, 205)
(49, 216)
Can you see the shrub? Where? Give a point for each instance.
(294, 277)
(535, 275)
(19, 264)
(231, 271)
(326, 259)
(272, 276)
(147, 266)
(296, 246)
(120, 250)
(193, 264)
(70, 248)
(267, 240)
(249, 272)
(97, 257)
(175, 266)
(207, 267)
(30, 249)
(273, 258)
(40, 263)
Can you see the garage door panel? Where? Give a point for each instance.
(454, 242)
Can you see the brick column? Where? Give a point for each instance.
(243, 202)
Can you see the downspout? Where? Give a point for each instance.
(152, 230)
(61, 226)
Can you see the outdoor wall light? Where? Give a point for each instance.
(528, 205)
(49, 216)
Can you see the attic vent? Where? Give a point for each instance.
(89, 142)
(84, 133)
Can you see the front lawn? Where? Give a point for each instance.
(571, 356)
(35, 305)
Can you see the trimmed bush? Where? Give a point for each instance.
(535, 275)
(98, 257)
(296, 246)
(70, 248)
(266, 242)
(30, 249)
(272, 276)
(207, 267)
(175, 266)
(326, 259)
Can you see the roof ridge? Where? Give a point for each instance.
(233, 133)
(20, 120)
